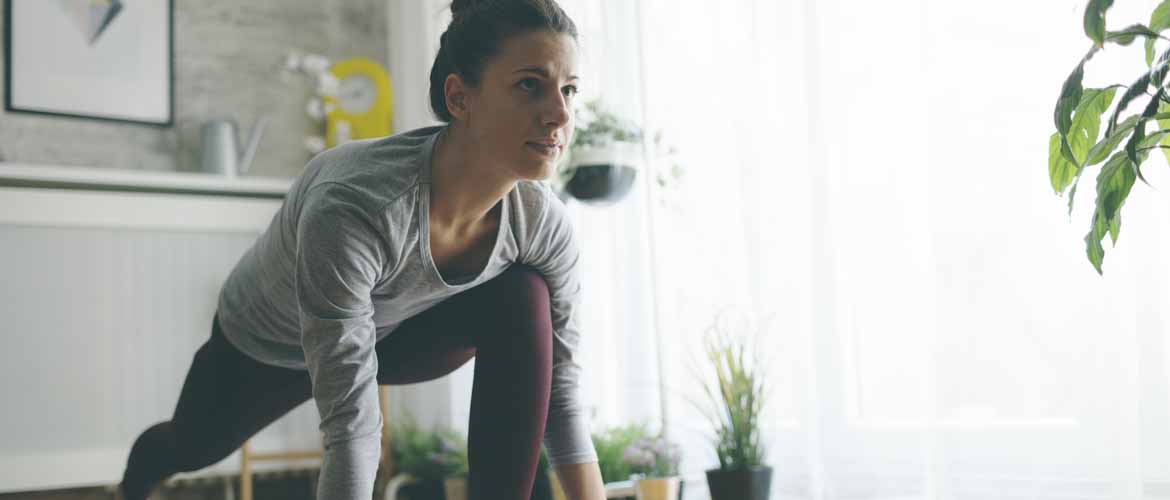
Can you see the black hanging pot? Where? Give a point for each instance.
(740, 484)
(602, 175)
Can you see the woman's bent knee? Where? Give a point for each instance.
(521, 286)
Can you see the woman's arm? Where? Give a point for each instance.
(581, 481)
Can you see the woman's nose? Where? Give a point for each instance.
(558, 111)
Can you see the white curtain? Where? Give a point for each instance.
(872, 177)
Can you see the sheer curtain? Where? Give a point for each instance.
(868, 184)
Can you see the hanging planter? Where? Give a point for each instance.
(604, 159)
(603, 174)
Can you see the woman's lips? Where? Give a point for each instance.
(544, 148)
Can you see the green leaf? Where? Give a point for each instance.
(1115, 228)
(1114, 183)
(1093, 248)
(1163, 118)
(1129, 34)
(1100, 151)
(1138, 139)
(1158, 71)
(1095, 20)
(1070, 98)
(1060, 171)
(1086, 122)
(1138, 88)
(1159, 20)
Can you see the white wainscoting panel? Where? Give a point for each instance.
(105, 298)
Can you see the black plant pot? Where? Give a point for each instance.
(429, 489)
(742, 484)
(601, 184)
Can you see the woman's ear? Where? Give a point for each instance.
(455, 92)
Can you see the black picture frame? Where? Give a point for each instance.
(13, 107)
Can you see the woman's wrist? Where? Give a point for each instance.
(581, 481)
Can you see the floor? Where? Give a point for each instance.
(285, 485)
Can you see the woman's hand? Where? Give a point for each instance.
(581, 481)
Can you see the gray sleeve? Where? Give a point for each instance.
(554, 253)
(340, 251)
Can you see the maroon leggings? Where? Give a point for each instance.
(504, 323)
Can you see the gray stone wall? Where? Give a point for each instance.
(228, 56)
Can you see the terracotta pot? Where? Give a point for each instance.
(659, 488)
(742, 484)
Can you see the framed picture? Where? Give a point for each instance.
(98, 59)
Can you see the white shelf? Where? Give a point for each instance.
(111, 179)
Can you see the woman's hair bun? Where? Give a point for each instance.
(461, 6)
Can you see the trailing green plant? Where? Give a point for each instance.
(736, 398)
(428, 454)
(611, 445)
(1079, 142)
(597, 126)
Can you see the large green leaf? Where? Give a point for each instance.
(1114, 183)
(1137, 88)
(1139, 135)
(1163, 118)
(1095, 20)
(1100, 151)
(1070, 98)
(1082, 133)
(1060, 171)
(1127, 35)
(1086, 123)
(1159, 20)
(1158, 70)
(1115, 227)
(1093, 246)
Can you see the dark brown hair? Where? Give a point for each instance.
(477, 30)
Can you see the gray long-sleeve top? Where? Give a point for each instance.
(347, 259)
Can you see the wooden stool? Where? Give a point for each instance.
(247, 456)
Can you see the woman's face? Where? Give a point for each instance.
(524, 99)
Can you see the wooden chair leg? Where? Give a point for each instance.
(387, 467)
(245, 472)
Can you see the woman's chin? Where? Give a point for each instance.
(539, 171)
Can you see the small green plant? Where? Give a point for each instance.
(735, 397)
(428, 454)
(1075, 145)
(611, 445)
(598, 127)
(654, 457)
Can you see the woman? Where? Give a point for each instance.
(394, 261)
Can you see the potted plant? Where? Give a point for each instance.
(654, 463)
(1079, 142)
(736, 401)
(432, 463)
(611, 445)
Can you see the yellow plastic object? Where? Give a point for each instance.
(358, 77)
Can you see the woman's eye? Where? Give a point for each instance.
(571, 90)
(528, 84)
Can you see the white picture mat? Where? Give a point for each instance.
(124, 75)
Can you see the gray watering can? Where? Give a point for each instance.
(220, 148)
